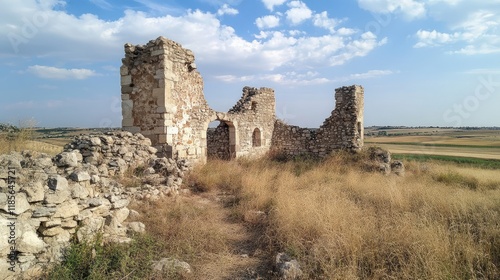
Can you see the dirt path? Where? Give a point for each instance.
(244, 258)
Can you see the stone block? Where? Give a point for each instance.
(172, 130)
(127, 122)
(126, 80)
(158, 52)
(124, 70)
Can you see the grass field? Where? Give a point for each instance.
(483, 144)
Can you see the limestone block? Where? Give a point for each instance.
(67, 209)
(124, 70)
(172, 130)
(127, 107)
(79, 176)
(30, 243)
(35, 191)
(126, 80)
(158, 52)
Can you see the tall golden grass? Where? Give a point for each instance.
(344, 223)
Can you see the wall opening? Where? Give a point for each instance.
(358, 125)
(256, 138)
(254, 106)
(221, 142)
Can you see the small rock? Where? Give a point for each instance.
(398, 167)
(66, 159)
(287, 267)
(79, 176)
(169, 264)
(136, 227)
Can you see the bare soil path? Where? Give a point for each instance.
(244, 258)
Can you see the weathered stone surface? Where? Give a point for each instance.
(57, 183)
(52, 231)
(67, 209)
(398, 167)
(136, 227)
(35, 191)
(57, 197)
(30, 243)
(79, 176)
(43, 212)
(171, 264)
(66, 159)
(288, 268)
(21, 203)
(90, 227)
(79, 191)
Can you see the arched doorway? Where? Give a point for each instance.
(221, 140)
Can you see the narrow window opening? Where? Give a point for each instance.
(256, 138)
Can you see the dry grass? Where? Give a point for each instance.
(23, 139)
(343, 223)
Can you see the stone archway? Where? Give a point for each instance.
(221, 141)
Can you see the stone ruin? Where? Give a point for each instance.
(47, 201)
(162, 98)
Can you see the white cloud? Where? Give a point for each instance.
(298, 12)
(477, 34)
(226, 10)
(322, 20)
(434, 38)
(66, 37)
(267, 22)
(410, 9)
(287, 79)
(370, 74)
(271, 3)
(48, 72)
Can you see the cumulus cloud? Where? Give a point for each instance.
(322, 20)
(477, 34)
(270, 4)
(48, 72)
(298, 12)
(269, 21)
(410, 9)
(68, 37)
(226, 10)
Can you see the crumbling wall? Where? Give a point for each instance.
(343, 130)
(45, 202)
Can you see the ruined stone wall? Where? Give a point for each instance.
(255, 116)
(75, 195)
(162, 97)
(343, 130)
(292, 140)
(218, 145)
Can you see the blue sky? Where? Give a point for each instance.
(421, 62)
